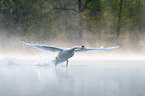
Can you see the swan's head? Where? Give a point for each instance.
(82, 47)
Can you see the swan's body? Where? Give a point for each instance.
(64, 53)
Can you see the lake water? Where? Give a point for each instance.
(81, 78)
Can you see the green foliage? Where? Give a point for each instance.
(23, 15)
(52, 18)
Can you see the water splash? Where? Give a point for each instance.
(39, 60)
(9, 61)
(44, 60)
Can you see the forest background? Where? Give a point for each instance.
(93, 23)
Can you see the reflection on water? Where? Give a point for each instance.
(79, 79)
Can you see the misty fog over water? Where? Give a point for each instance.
(81, 78)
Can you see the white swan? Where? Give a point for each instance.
(66, 53)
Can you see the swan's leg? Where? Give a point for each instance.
(66, 63)
(56, 62)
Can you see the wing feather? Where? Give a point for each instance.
(101, 48)
(44, 47)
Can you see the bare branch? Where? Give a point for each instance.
(85, 6)
(59, 3)
(65, 9)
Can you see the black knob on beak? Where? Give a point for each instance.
(82, 46)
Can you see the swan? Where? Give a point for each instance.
(65, 53)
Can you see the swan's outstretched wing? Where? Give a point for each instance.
(101, 48)
(44, 47)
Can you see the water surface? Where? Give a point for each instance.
(81, 78)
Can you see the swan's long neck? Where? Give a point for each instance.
(73, 49)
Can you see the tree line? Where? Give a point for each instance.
(92, 20)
